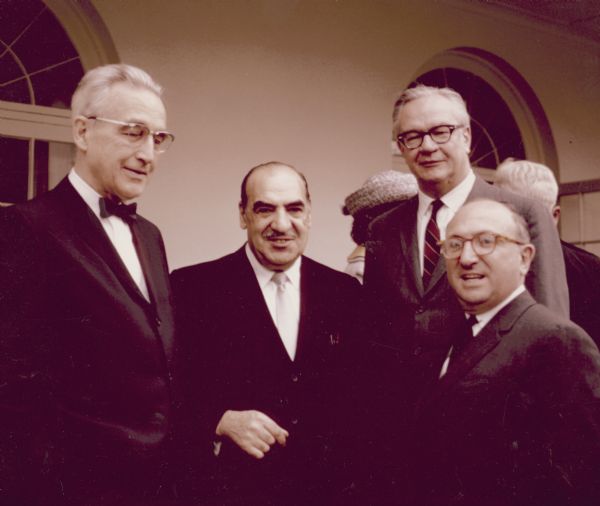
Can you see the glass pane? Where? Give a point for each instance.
(54, 87)
(591, 211)
(14, 168)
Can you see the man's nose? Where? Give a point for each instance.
(428, 143)
(281, 221)
(468, 255)
(145, 150)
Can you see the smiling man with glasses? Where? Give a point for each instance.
(513, 419)
(86, 323)
(415, 315)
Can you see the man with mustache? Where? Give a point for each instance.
(86, 326)
(264, 342)
(413, 309)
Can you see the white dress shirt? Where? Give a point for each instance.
(117, 230)
(453, 200)
(269, 290)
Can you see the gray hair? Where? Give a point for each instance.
(95, 86)
(421, 90)
(529, 179)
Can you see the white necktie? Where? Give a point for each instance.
(286, 325)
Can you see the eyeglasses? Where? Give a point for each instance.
(138, 133)
(439, 134)
(483, 244)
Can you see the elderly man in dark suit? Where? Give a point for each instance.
(413, 310)
(266, 332)
(86, 328)
(515, 416)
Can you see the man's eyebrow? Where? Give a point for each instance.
(260, 203)
(297, 203)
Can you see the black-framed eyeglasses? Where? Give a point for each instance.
(439, 134)
(137, 133)
(483, 244)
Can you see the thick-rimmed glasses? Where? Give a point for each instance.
(483, 244)
(138, 133)
(439, 134)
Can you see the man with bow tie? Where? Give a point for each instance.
(86, 323)
(265, 333)
(514, 418)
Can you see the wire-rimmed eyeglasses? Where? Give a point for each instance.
(137, 133)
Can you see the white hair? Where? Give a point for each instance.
(529, 179)
(95, 86)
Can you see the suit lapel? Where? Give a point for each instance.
(88, 238)
(484, 342)
(256, 318)
(409, 242)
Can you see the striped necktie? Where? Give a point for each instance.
(431, 251)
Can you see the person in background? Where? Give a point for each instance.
(537, 181)
(265, 335)
(86, 326)
(514, 418)
(378, 194)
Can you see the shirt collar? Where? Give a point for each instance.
(486, 316)
(264, 275)
(454, 199)
(85, 191)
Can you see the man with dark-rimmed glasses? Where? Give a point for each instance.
(415, 314)
(86, 326)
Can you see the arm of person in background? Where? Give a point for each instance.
(547, 280)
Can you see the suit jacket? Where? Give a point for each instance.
(583, 278)
(516, 419)
(412, 327)
(235, 360)
(86, 397)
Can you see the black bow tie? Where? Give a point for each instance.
(110, 207)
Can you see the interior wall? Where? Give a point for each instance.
(311, 83)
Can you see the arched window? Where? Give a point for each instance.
(40, 66)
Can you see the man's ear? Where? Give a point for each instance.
(243, 223)
(80, 133)
(556, 214)
(527, 254)
(466, 133)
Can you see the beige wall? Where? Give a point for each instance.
(311, 82)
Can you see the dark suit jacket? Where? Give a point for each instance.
(413, 327)
(583, 278)
(85, 403)
(516, 419)
(236, 360)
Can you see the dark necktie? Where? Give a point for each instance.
(110, 207)
(464, 336)
(431, 250)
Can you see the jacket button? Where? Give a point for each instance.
(419, 309)
(157, 321)
(295, 421)
(417, 351)
(295, 378)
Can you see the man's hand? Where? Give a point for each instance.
(253, 431)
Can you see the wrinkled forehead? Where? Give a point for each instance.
(485, 216)
(276, 185)
(427, 112)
